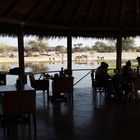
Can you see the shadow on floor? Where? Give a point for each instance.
(85, 119)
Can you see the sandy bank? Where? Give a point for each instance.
(90, 56)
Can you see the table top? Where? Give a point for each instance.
(13, 88)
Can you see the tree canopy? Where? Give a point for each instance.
(40, 46)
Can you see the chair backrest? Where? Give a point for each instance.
(137, 84)
(32, 79)
(39, 84)
(2, 79)
(63, 84)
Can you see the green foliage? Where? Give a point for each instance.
(110, 72)
(60, 48)
(37, 67)
(128, 44)
(37, 46)
(5, 49)
(102, 47)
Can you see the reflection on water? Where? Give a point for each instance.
(40, 67)
(35, 67)
(47, 66)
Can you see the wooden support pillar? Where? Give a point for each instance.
(119, 52)
(21, 57)
(69, 54)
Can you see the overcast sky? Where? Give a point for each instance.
(54, 42)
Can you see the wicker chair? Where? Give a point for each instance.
(39, 84)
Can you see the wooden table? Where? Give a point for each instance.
(12, 88)
(18, 103)
(9, 89)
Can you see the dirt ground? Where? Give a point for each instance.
(75, 56)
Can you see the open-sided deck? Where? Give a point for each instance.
(84, 120)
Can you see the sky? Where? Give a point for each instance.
(51, 42)
(54, 42)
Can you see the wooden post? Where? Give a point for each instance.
(69, 54)
(119, 52)
(21, 57)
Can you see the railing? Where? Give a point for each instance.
(41, 74)
(80, 78)
(90, 72)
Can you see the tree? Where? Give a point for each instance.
(111, 42)
(60, 48)
(38, 45)
(128, 44)
(4, 49)
(79, 45)
(99, 46)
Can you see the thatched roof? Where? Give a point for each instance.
(95, 18)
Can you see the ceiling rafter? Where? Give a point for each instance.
(74, 10)
(88, 7)
(137, 11)
(11, 8)
(62, 7)
(3, 19)
(53, 28)
(91, 10)
(52, 15)
(77, 10)
(122, 11)
(51, 7)
(106, 11)
(34, 9)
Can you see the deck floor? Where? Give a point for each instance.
(86, 119)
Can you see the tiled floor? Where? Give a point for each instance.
(84, 120)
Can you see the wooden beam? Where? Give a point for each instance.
(35, 8)
(88, 7)
(4, 19)
(122, 11)
(21, 57)
(61, 10)
(91, 10)
(12, 8)
(69, 54)
(106, 11)
(74, 10)
(137, 11)
(42, 25)
(119, 52)
(78, 6)
(51, 8)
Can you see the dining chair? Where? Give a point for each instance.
(136, 92)
(96, 86)
(62, 85)
(98, 89)
(2, 79)
(15, 105)
(39, 84)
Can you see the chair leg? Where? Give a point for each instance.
(94, 93)
(34, 120)
(48, 95)
(29, 121)
(72, 97)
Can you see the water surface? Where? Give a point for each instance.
(46, 67)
